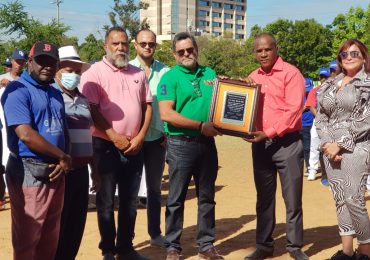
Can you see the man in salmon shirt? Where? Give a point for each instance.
(277, 147)
(121, 109)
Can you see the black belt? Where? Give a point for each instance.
(287, 136)
(186, 138)
(31, 157)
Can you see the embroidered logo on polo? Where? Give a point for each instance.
(163, 88)
(55, 127)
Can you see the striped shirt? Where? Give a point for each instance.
(79, 121)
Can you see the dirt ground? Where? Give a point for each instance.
(235, 216)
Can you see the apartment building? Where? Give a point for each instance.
(201, 17)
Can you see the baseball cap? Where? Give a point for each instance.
(324, 71)
(69, 53)
(333, 65)
(7, 62)
(309, 84)
(44, 48)
(19, 55)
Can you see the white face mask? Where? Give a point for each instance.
(70, 80)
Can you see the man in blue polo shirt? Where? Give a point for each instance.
(34, 115)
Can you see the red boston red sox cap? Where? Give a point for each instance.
(44, 48)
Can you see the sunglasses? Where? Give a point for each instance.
(149, 44)
(353, 54)
(182, 52)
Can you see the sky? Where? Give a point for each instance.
(89, 16)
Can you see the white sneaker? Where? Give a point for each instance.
(158, 241)
(311, 176)
(305, 174)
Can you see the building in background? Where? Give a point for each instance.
(201, 17)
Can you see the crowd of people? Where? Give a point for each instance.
(65, 118)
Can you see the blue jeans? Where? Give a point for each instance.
(199, 160)
(125, 171)
(306, 138)
(154, 156)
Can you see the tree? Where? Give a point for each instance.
(92, 49)
(227, 56)
(27, 30)
(126, 16)
(353, 24)
(164, 54)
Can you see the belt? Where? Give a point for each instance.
(186, 138)
(14, 155)
(287, 136)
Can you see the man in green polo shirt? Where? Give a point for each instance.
(184, 94)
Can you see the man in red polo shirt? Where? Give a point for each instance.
(277, 147)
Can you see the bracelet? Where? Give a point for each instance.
(200, 127)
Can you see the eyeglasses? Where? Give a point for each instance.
(149, 44)
(182, 52)
(353, 54)
(197, 91)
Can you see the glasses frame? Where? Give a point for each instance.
(151, 45)
(188, 50)
(353, 54)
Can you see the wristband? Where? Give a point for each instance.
(200, 127)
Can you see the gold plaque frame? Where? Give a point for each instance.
(234, 107)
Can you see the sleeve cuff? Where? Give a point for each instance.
(346, 142)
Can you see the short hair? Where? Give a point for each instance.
(183, 36)
(145, 30)
(266, 34)
(364, 52)
(114, 29)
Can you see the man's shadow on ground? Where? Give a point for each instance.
(321, 238)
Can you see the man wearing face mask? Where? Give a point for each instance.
(79, 121)
(35, 121)
(120, 101)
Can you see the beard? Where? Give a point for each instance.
(120, 61)
(189, 63)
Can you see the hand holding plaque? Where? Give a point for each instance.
(234, 107)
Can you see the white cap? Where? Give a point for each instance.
(69, 53)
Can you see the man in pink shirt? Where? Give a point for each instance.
(120, 101)
(277, 147)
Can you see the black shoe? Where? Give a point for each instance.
(360, 256)
(298, 254)
(131, 256)
(342, 256)
(259, 254)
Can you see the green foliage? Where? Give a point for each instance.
(164, 54)
(353, 24)
(306, 44)
(227, 57)
(15, 21)
(92, 49)
(126, 15)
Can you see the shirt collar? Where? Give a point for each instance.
(136, 62)
(187, 71)
(112, 67)
(278, 66)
